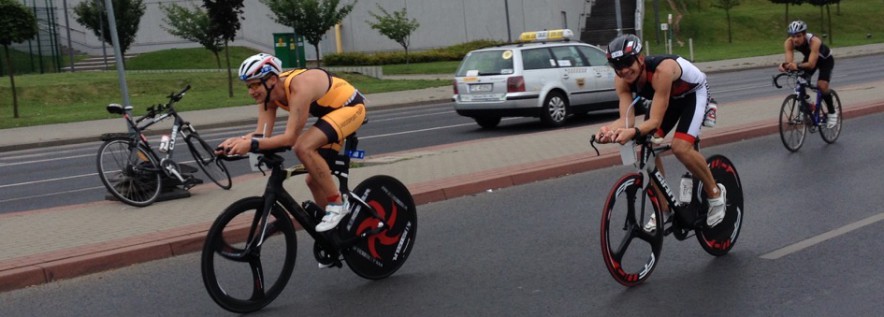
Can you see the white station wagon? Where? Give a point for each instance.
(546, 75)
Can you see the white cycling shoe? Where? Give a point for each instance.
(832, 120)
(716, 208)
(333, 215)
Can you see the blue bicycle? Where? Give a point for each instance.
(799, 114)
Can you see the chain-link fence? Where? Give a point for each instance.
(42, 54)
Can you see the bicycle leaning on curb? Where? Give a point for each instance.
(250, 249)
(135, 174)
(799, 114)
(627, 210)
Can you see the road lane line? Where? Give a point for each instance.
(52, 194)
(804, 244)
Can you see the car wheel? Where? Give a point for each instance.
(487, 122)
(555, 109)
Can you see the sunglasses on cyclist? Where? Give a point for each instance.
(619, 64)
(254, 85)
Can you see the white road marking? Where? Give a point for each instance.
(804, 244)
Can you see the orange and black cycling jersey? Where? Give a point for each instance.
(339, 94)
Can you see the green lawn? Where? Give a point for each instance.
(758, 28)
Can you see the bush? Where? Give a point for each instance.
(451, 53)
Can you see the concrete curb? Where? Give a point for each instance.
(53, 266)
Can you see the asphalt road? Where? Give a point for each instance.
(808, 248)
(65, 175)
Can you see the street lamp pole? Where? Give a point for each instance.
(509, 34)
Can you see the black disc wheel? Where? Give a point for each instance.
(630, 252)
(383, 250)
(248, 259)
(128, 172)
(720, 239)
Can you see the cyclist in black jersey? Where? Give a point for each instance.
(816, 56)
(678, 92)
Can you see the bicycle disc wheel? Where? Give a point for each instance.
(135, 181)
(630, 252)
(204, 155)
(238, 275)
(831, 134)
(793, 127)
(381, 254)
(720, 239)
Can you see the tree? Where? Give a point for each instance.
(310, 18)
(821, 4)
(224, 20)
(18, 24)
(787, 3)
(727, 5)
(395, 26)
(128, 15)
(193, 25)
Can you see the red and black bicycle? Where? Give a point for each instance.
(630, 248)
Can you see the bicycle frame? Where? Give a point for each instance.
(647, 167)
(800, 91)
(155, 115)
(275, 192)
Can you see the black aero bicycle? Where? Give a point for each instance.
(250, 249)
(135, 174)
(799, 114)
(631, 252)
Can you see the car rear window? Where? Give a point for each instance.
(487, 63)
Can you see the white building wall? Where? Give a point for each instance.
(442, 23)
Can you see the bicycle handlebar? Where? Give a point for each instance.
(791, 73)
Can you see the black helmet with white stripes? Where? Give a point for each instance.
(623, 50)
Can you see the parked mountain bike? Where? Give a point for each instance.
(800, 114)
(630, 250)
(135, 174)
(250, 249)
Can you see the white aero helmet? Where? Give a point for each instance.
(259, 66)
(796, 27)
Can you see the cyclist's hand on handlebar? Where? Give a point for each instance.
(623, 135)
(234, 146)
(605, 135)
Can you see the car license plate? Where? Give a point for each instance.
(480, 87)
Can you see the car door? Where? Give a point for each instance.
(601, 74)
(574, 73)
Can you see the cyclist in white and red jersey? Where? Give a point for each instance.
(678, 92)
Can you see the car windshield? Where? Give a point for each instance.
(487, 63)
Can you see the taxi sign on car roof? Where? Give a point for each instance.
(546, 36)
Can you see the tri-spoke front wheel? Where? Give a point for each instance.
(248, 259)
(630, 252)
(793, 126)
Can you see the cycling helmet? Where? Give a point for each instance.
(796, 27)
(623, 50)
(259, 65)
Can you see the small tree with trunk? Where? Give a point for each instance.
(18, 24)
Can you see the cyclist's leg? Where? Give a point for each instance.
(331, 128)
(690, 111)
(825, 67)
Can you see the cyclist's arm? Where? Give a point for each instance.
(790, 54)
(624, 93)
(305, 88)
(815, 44)
(666, 73)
